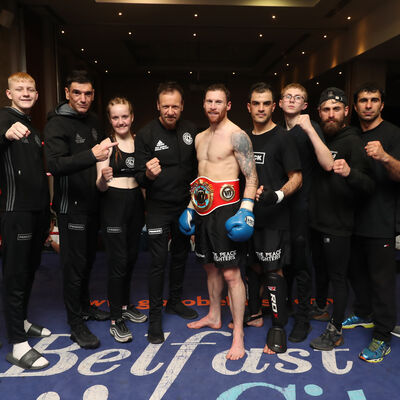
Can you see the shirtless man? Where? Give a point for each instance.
(223, 150)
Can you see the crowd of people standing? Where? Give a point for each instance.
(266, 205)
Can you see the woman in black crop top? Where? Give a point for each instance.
(122, 217)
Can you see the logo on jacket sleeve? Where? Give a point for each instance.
(161, 146)
(79, 139)
(187, 138)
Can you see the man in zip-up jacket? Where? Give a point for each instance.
(72, 136)
(165, 166)
(24, 206)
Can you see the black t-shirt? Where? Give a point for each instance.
(275, 154)
(376, 217)
(333, 198)
(309, 162)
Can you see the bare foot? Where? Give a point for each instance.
(267, 350)
(255, 320)
(237, 349)
(205, 322)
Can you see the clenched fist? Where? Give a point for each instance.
(17, 131)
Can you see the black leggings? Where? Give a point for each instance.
(122, 219)
(331, 254)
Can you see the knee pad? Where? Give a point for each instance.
(276, 286)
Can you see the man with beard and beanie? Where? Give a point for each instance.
(373, 266)
(24, 207)
(334, 197)
(72, 148)
(279, 174)
(165, 166)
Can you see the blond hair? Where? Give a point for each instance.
(295, 86)
(20, 76)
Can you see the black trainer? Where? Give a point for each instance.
(155, 334)
(329, 339)
(120, 332)
(181, 310)
(133, 315)
(95, 313)
(81, 334)
(300, 331)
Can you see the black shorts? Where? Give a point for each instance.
(270, 248)
(212, 242)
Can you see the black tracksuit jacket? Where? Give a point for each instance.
(176, 152)
(69, 138)
(23, 181)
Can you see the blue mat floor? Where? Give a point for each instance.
(190, 365)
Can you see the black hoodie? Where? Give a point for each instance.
(23, 181)
(69, 138)
(333, 198)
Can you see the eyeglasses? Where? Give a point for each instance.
(297, 98)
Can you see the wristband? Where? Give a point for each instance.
(280, 195)
(247, 199)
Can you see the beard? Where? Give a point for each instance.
(332, 128)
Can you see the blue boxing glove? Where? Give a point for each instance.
(186, 224)
(240, 227)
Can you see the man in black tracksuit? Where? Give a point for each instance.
(373, 266)
(25, 218)
(72, 135)
(334, 197)
(165, 166)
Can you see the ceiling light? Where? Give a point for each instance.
(260, 35)
(287, 64)
(349, 18)
(195, 15)
(325, 36)
(275, 73)
(340, 72)
(82, 49)
(274, 17)
(317, 83)
(303, 52)
(191, 72)
(194, 34)
(233, 73)
(95, 61)
(106, 71)
(63, 32)
(149, 72)
(129, 33)
(120, 13)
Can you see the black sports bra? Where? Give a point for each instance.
(124, 165)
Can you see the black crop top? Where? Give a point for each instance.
(125, 164)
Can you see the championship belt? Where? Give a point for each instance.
(207, 195)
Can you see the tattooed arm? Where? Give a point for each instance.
(243, 151)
